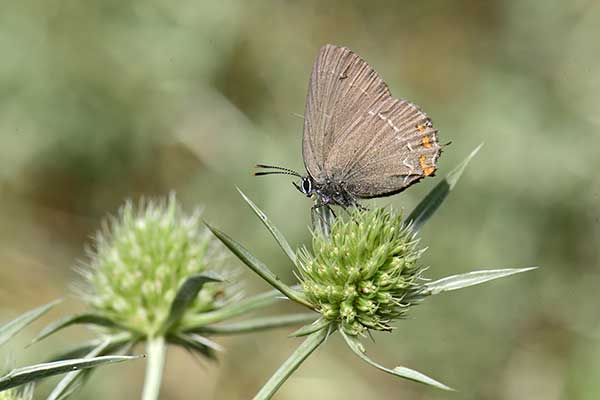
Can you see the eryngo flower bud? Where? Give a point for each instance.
(140, 260)
(25, 393)
(365, 274)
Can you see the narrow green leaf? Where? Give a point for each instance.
(116, 341)
(67, 321)
(184, 297)
(258, 324)
(260, 268)
(20, 376)
(279, 238)
(286, 369)
(81, 377)
(434, 199)
(243, 307)
(116, 345)
(460, 281)
(68, 384)
(195, 343)
(317, 325)
(13, 327)
(402, 372)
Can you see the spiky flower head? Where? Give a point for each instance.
(25, 393)
(365, 274)
(142, 257)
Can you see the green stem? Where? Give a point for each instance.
(291, 364)
(156, 350)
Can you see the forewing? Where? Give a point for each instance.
(342, 86)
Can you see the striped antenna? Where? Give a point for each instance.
(280, 171)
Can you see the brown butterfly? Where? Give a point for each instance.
(359, 142)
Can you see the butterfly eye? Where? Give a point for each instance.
(306, 186)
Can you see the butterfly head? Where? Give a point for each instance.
(305, 186)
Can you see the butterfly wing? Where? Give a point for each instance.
(357, 134)
(388, 148)
(342, 87)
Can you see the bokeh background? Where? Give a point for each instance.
(103, 101)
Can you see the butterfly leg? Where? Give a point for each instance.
(361, 207)
(321, 216)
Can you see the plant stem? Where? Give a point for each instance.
(156, 350)
(291, 364)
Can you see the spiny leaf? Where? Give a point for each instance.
(67, 321)
(261, 269)
(76, 379)
(434, 199)
(279, 238)
(317, 325)
(195, 343)
(231, 310)
(257, 324)
(402, 372)
(13, 327)
(20, 376)
(286, 369)
(69, 383)
(116, 341)
(184, 297)
(460, 281)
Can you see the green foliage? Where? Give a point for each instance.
(430, 203)
(361, 274)
(11, 328)
(25, 376)
(151, 278)
(401, 372)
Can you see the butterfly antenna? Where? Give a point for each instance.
(261, 173)
(280, 170)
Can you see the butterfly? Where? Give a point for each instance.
(359, 142)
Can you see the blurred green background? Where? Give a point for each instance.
(102, 101)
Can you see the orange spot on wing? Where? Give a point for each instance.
(421, 128)
(426, 141)
(427, 170)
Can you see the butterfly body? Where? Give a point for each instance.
(330, 191)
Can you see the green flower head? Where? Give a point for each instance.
(366, 273)
(142, 257)
(25, 393)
